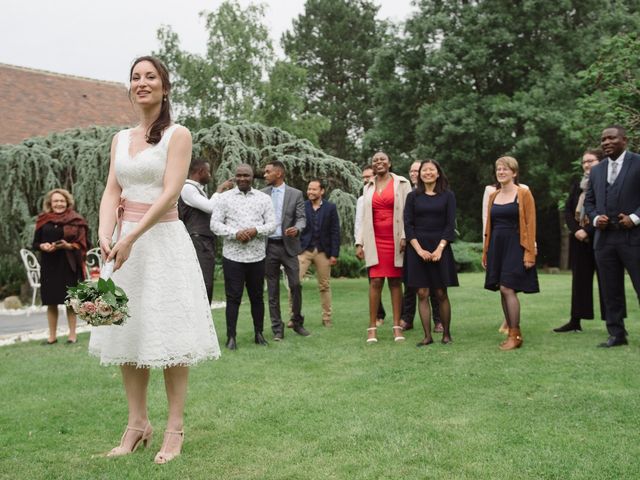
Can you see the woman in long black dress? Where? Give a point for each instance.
(509, 251)
(581, 256)
(429, 225)
(61, 238)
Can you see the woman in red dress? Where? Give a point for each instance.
(381, 239)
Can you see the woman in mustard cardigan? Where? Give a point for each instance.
(509, 253)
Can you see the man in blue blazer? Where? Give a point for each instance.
(612, 203)
(320, 243)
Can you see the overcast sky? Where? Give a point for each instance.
(99, 39)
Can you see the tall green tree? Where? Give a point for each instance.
(394, 96)
(475, 80)
(283, 103)
(335, 42)
(225, 83)
(611, 90)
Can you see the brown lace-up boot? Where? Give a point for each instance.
(514, 340)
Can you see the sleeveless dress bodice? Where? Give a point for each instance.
(140, 176)
(505, 256)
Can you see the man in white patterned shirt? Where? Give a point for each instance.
(243, 217)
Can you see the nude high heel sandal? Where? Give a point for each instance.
(146, 434)
(166, 457)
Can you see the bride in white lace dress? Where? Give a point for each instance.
(155, 263)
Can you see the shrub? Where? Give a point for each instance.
(12, 303)
(468, 256)
(348, 265)
(12, 275)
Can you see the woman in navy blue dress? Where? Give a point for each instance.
(509, 251)
(429, 225)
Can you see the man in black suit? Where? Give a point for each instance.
(194, 209)
(283, 247)
(320, 243)
(612, 203)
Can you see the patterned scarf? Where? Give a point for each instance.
(74, 231)
(581, 217)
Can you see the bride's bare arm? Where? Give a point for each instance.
(178, 159)
(108, 204)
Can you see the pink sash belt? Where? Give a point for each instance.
(129, 211)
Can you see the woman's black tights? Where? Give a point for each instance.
(425, 311)
(510, 306)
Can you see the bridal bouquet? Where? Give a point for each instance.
(99, 303)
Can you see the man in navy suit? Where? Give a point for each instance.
(320, 243)
(612, 203)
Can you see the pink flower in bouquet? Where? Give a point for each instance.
(104, 310)
(88, 308)
(117, 316)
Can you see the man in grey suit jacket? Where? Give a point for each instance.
(283, 247)
(612, 203)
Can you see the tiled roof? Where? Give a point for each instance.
(37, 102)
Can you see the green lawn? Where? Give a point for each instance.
(331, 407)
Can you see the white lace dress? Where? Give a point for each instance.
(170, 321)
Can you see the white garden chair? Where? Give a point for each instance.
(32, 266)
(94, 259)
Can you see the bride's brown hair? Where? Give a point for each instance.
(154, 134)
